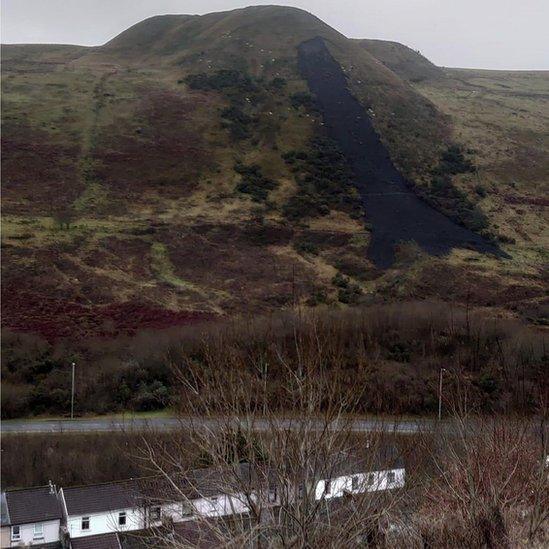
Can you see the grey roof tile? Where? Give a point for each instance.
(32, 505)
(101, 541)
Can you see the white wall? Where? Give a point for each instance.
(223, 505)
(339, 486)
(50, 531)
(103, 523)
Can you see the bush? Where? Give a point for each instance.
(453, 162)
(278, 83)
(350, 295)
(340, 281)
(306, 247)
(254, 182)
(302, 99)
(480, 190)
(237, 121)
(221, 80)
(325, 181)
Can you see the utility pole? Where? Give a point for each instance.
(440, 393)
(72, 391)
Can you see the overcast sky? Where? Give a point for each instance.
(495, 34)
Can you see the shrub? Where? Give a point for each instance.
(278, 83)
(302, 99)
(446, 197)
(237, 121)
(254, 182)
(350, 295)
(221, 80)
(340, 281)
(453, 162)
(318, 297)
(306, 247)
(324, 179)
(480, 190)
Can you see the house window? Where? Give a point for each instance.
(213, 502)
(122, 518)
(327, 486)
(85, 523)
(15, 533)
(354, 483)
(38, 531)
(272, 496)
(371, 479)
(391, 477)
(155, 512)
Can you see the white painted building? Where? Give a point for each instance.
(359, 483)
(380, 470)
(103, 508)
(102, 511)
(31, 517)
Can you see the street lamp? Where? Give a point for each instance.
(440, 393)
(72, 391)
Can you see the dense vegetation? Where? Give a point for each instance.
(448, 198)
(395, 353)
(254, 182)
(240, 90)
(324, 180)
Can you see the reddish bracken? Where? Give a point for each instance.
(55, 319)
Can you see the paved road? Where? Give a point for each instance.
(100, 425)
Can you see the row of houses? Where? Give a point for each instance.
(95, 516)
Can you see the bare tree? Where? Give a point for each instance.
(489, 488)
(283, 471)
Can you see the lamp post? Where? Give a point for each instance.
(72, 391)
(440, 393)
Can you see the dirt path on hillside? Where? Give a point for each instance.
(396, 213)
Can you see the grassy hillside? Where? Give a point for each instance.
(502, 118)
(402, 60)
(158, 179)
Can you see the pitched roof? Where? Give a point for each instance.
(100, 541)
(381, 458)
(96, 498)
(33, 505)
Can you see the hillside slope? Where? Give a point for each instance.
(182, 172)
(402, 60)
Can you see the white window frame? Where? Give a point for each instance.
(38, 531)
(122, 518)
(85, 519)
(16, 536)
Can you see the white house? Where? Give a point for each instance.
(142, 503)
(93, 516)
(102, 508)
(351, 474)
(31, 516)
